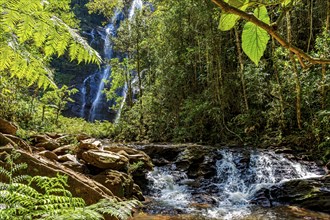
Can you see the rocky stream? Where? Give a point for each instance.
(179, 181)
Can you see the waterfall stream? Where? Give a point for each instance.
(229, 193)
(94, 105)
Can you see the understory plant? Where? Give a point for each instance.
(40, 197)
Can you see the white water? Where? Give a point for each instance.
(136, 5)
(100, 77)
(232, 188)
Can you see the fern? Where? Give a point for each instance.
(31, 32)
(51, 200)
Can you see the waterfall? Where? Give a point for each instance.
(93, 101)
(136, 4)
(94, 105)
(238, 178)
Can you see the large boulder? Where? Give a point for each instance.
(135, 157)
(19, 142)
(313, 194)
(43, 141)
(120, 184)
(160, 153)
(105, 159)
(198, 161)
(7, 127)
(87, 144)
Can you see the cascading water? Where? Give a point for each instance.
(238, 178)
(136, 5)
(94, 105)
(93, 100)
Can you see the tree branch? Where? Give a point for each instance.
(302, 56)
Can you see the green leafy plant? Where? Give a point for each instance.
(34, 31)
(39, 197)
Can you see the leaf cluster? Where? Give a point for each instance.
(32, 32)
(254, 38)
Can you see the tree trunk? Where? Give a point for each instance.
(241, 70)
(296, 73)
(310, 18)
(280, 93)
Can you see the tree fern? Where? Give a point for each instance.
(51, 200)
(31, 32)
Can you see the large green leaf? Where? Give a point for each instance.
(254, 38)
(228, 21)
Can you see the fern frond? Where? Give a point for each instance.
(5, 173)
(33, 31)
(121, 210)
(18, 167)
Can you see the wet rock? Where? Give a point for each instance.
(198, 161)
(327, 166)
(105, 159)
(160, 162)
(200, 205)
(168, 152)
(48, 154)
(242, 160)
(7, 127)
(313, 194)
(120, 184)
(262, 198)
(137, 192)
(283, 150)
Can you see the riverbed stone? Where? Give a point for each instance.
(313, 194)
(119, 183)
(87, 144)
(105, 159)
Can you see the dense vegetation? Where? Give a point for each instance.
(196, 81)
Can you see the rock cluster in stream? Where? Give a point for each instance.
(95, 170)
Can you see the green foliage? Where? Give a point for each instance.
(50, 199)
(254, 38)
(228, 21)
(105, 7)
(31, 32)
(57, 99)
(135, 166)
